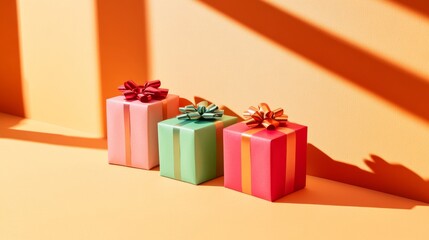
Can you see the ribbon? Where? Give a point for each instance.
(201, 111)
(290, 159)
(246, 159)
(246, 163)
(265, 117)
(127, 126)
(147, 92)
(176, 150)
(201, 164)
(129, 159)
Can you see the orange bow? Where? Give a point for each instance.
(264, 116)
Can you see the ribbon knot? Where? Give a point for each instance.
(201, 111)
(144, 93)
(265, 117)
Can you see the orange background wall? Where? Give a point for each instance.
(59, 62)
(356, 72)
(11, 99)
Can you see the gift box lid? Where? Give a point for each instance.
(195, 124)
(265, 134)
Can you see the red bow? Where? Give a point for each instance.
(151, 90)
(264, 116)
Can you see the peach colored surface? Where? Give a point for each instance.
(57, 190)
(354, 71)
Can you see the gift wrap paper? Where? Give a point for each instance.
(192, 150)
(265, 163)
(132, 135)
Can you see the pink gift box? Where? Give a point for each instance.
(268, 164)
(132, 131)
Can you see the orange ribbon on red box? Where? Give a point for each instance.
(265, 117)
(270, 120)
(147, 92)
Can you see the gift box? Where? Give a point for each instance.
(268, 163)
(192, 150)
(132, 134)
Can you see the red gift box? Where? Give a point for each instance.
(268, 164)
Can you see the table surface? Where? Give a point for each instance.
(55, 183)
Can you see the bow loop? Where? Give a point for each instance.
(264, 108)
(153, 83)
(262, 115)
(147, 92)
(201, 111)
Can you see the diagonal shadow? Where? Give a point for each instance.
(385, 177)
(8, 121)
(418, 6)
(123, 55)
(321, 191)
(11, 97)
(388, 178)
(390, 82)
(122, 46)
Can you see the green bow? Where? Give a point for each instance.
(202, 111)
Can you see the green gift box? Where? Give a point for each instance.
(192, 150)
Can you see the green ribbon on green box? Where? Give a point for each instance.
(202, 111)
(192, 151)
(176, 149)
